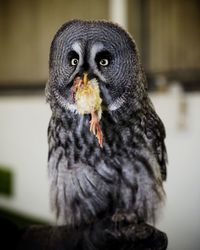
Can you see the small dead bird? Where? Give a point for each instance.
(87, 98)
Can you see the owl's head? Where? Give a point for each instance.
(105, 52)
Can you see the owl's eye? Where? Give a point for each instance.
(104, 62)
(73, 58)
(74, 62)
(103, 58)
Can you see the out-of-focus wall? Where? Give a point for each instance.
(174, 35)
(180, 217)
(168, 35)
(23, 150)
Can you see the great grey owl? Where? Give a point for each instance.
(120, 171)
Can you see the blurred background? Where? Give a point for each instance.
(168, 37)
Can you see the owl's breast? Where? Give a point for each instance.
(117, 141)
(78, 145)
(93, 180)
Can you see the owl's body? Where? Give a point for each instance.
(125, 175)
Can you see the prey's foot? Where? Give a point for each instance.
(95, 128)
(76, 84)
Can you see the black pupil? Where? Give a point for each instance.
(74, 61)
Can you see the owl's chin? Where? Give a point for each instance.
(66, 103)
(116, 104)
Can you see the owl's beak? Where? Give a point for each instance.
(85, 78)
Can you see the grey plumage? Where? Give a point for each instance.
(125, 176)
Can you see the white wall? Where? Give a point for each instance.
(23, 147)
(181, 215)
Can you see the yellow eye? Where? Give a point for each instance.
(104, 62)
(74, 61)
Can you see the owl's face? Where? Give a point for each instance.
(102, 50)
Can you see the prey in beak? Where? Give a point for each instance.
(86, 95)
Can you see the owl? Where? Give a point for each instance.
(107, 154)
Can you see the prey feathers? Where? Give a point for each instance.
(87, 98)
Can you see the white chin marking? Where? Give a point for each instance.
(71, 107)
(116, 104)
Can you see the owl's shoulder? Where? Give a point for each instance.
(155, 133)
